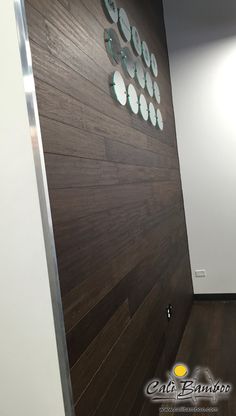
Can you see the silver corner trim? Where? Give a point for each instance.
(36, 139)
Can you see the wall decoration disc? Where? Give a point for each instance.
(154, 65)
(133, 99)
(124, 25)
(139, 73)
(127, 61)
(146, 54)
(157, 94)
(149, 84)
(136, 41)
(111, 10)
(113, 46)
(143, 107)
(119, 88)
(152, 114)
(159, 119)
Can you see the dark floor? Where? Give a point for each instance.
(210, 341)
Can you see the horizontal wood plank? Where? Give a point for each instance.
(93, 357)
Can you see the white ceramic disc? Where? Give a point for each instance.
(146, 54)
(124, 25)
(149, 84)
(157, 94)
(159, 119)
(133, 99)
(152, 114)
(143, 107)
(111, 10)
(119, 88)
(136, 41)
(139, 73)
(154, 65)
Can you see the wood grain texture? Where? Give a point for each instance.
(117, 206)
(209, 341)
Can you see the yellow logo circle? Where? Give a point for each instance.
(180, 370)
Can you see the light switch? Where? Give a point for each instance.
(200, 273)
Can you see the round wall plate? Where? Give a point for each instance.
(133, 99)
(157, 94)
(143, 107)
(113, 46)
(124, 25)
(154, 65)
(152, 114)
(136, 41)
(146, 54)
(149, 84)
(127, 62)
(111, 10)
(119, 88)
(159, 119)
(139, 73)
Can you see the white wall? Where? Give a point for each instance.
(202, 49)
(29, 371)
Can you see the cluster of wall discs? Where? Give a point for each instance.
(133, 67)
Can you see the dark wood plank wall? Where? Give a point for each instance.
(116, 203)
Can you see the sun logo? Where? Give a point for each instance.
(180, 370)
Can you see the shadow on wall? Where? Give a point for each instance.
(216, 21)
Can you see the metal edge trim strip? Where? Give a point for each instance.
(36, 139)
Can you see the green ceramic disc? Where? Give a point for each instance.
(124, 25)
(143, 107)
(146, 54)
(111, 10)
(136, 41)
(159, 120)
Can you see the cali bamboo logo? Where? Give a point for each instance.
(180, 386)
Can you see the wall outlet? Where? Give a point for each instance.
(200, 273)
(169, 311)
